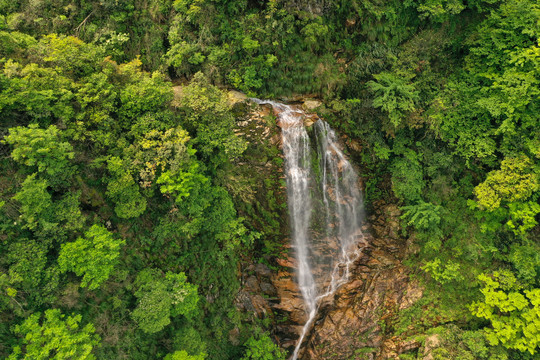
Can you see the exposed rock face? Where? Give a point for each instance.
(236, 97)
(257, 289)
(432, 342)
(311, 104)
(354, 323)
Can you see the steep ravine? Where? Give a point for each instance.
(356, 322)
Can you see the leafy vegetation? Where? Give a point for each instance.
(127, 204)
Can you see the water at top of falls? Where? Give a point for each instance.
(325, 208)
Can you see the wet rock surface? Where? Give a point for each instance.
(355, 322)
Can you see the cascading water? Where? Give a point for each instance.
(325, 207)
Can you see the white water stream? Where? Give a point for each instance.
(325, 207)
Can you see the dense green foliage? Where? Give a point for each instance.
(112, 210)
(94, 256)
(261, 347)
(125, 212)
(55, 338)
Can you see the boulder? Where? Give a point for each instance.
(236, 97)
(310, 120)
(311, 104)
(431, 343)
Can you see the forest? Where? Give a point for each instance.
(126, 214)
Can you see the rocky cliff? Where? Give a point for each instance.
(356, 323)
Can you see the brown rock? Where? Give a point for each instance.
(252, 284)
(262, 270)
(268, 289)
(431, 343)
(288, 262)
(236, 96)
(310, 120)
(412, 294)
(311, 104)
(379, 285)
(358, 316)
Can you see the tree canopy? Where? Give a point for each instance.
(132, 201)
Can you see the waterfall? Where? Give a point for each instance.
(325, 208)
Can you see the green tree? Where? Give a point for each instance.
(14, 42)
(526, 260)
(261, 347)
(394, 94)
(183, 355)
(180, 183)
(510, 194)
(47, 219)
(55, 337)
(423, 216)
(31, 272)
(190, 340)
(72, 56)
(92, 257)
(514, 313)
(440, 10)
(123, 190)
(515, 181)
(144, 93)
(36, 203)
(407, 177)
(496, 104)
(443, 273)
(42, 149)
(207, 114)
(39, 93)
(157, 151)
(315, 33)
(162, 297)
